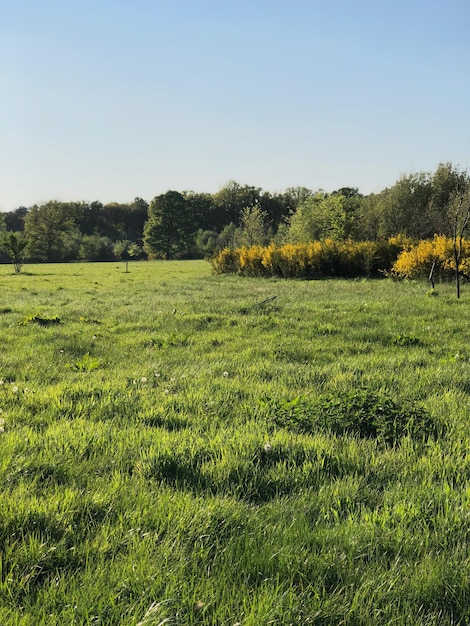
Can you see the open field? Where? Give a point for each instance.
(182, 448)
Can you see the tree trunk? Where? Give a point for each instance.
(457, 273)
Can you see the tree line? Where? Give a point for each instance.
(178, 225)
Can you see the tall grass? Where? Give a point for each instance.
(184, 448)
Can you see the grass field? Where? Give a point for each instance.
(182, 448)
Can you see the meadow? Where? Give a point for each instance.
(183, 448)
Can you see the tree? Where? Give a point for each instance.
(14, 245)
(126, 250)
(405, 207)
(231, 200)
(202, 210)
(253, 229)
(14, 220)
(323, 216)
(458, 210)
(295, 196)
(446, 182)
(169, 230)
(89, 217)
(96, 248)
(51, 232)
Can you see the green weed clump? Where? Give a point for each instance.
(361, 412)
(41, 320)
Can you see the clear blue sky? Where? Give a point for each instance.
(112, 99)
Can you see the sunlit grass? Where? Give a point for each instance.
(151, 471)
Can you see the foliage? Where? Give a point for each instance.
(96, 248)
(51, 233)
(417, 259)
(189, 224)
(253, 228)
(359, 412)
(323, 216)
(86, 363)
(41, 320)
(14, 245)
(314, 260)
(169, 229)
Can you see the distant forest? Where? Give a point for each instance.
(182, 225)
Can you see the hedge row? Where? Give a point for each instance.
(398, 257)
(314, 260)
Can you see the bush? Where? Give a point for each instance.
(317, 259)
(416, 260)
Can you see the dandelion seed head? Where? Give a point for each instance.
(268, 447)
(225, 374)
(15, 388)
(143, 379)
(166, 392)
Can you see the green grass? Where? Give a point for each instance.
(179, 448)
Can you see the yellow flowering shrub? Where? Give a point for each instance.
(312, 260)
(250, 261)
(418, 259)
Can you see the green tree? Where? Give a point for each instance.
(51, 232)
(169, 230)
(323, 216)
(447, 183)
(253, 229)
(126, 250)
(14, 246)
(405, 207)
(14, 220)
(230, 202)
(369, 218)
(96, 248)
(201, 209)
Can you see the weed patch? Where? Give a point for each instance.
(358, 412)
(41, 320)
(406, 340)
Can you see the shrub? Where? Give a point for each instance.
(313, 260)
(417, 259)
